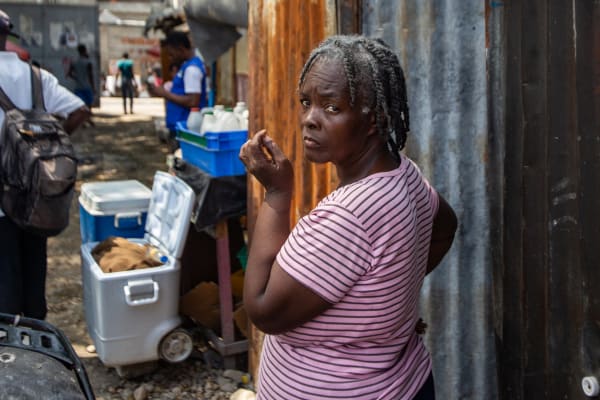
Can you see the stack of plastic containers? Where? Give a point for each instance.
(214, 148)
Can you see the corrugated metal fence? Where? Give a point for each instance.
(505, 114)
(442, 50)
(518, 297)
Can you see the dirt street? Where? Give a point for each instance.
(118, 147)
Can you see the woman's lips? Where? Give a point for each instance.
(310, 142)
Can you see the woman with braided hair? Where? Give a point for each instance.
(337, 295)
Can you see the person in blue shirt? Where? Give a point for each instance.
(125, 70)
(188, 87)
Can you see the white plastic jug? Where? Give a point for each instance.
(218, 109)
(194, 121)
(227, 121)
(241, 112)
(209, 123)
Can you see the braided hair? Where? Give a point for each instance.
(375, 81)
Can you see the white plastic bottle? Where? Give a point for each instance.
(209, 123)
(218, 109)
(241, 112)
(194, 121)
(227, 121)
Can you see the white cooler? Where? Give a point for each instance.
(128, 313)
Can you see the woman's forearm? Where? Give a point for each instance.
(271, 229)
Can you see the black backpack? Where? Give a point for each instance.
(38, 167)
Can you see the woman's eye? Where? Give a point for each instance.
(305, 103)
(331, 108)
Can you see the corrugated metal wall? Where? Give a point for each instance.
(41, 28)
(281, 34)
(523, 175)
(505, 116)
(442, 48)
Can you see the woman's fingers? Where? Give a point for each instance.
(265, 160)
(253, 150)
(277, 155)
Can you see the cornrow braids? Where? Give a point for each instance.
(382, 116)
(375, 81)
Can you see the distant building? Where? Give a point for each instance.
(122, 30)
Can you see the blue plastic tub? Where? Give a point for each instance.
(216, 153)
(214, 162)
(227, 140)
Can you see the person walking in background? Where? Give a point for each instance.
(338, 294)
(188, 87)
(23, 255)
(81, 71)
(128, 85)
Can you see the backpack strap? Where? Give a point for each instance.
(5, 102)
(36, 88)
(37, 97)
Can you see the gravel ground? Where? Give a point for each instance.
(124, 147)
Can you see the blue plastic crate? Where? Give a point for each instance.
(215, 162)
(227, 140)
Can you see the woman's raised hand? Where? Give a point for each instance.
(265, 160)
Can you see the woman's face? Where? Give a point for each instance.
(332, 130)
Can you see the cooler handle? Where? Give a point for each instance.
(128, 220)
(139, 293)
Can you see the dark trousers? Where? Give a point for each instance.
(427, 391)
(127, 93)
(23, 267)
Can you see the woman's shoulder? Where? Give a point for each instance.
(373, 189)
(359, 194)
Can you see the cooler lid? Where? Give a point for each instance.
(114, 196)
(168, 218)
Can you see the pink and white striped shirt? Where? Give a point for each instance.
(364, 249)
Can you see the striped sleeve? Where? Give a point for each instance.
(434, 197)
(435, 203)
(328, 251)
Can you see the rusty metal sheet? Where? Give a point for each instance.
(281, 35)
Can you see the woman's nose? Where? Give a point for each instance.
(309, 118)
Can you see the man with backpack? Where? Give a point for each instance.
(23, 261)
